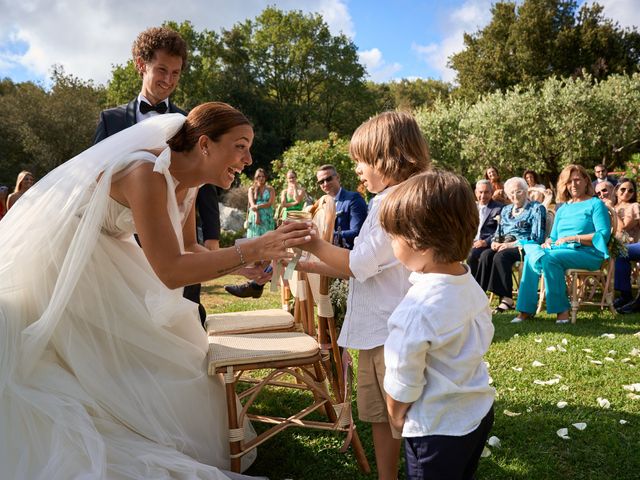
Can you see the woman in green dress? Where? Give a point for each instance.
(260, 212)
(292, 198)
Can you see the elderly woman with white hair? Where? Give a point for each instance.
(521, 222)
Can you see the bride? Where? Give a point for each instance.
(102, 362)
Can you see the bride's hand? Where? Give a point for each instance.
(276, 245)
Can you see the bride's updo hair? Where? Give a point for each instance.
(212, 119)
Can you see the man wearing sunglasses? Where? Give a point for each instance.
(351, 209)
(604, 191)
(602, 175)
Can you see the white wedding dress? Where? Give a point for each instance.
(102, 367)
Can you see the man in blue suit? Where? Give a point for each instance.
(351, 209)
(488, 210)
(160, 56)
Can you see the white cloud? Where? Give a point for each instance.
(470, 17)
(87, 38)
(625, 12)
(377, 68)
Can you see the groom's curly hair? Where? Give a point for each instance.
(159, 38)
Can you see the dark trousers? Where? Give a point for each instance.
(474, 257)
(494, 272)
(622, 272)
(192, 292)
(445, 457)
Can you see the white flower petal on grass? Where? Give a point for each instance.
(537, 340)
(552, 381)
(563, 433)
(564, 341)
(562, 404)
(515, 335)
(551, 349)
(596, 362)
(511, 389)
(610, 336)
(587, 350)
(580, 425)
(563, 388)
(603, 402)
(529, 409)
(490, 380)
(557, 375)
(509, 413)
(633, 396)
(612, 352)
(637, 334)
(517, 369)
(633, 387)
(623, 422)
(609, 359)
(487, 364)
(494, 442)
(634, 352)
(485, 453)
(561, 348)
(625, 360)
(536, 363)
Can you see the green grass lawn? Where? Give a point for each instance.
(527, 413)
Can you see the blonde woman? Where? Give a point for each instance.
(24, 182)
(292, 197)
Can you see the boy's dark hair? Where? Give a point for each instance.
(434, 210)
(159, 38)
(393, 144)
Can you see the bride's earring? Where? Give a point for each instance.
(205, 151)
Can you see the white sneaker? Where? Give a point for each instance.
(517, 320)
(561, 321)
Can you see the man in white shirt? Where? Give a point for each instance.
(488, 210)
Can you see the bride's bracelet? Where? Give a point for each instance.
(239, 251)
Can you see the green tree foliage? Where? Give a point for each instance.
(304, 157)
(571, 120)
(539, 39)
(41, 129)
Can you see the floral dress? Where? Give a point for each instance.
(267, 222)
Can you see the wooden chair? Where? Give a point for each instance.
(589, 287)
(284, 354)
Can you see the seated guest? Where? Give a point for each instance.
(497, 188)
(602, 175)
(532, 180)
(578, 239)
(521, 222)
(488, 210)
(628, 232)
(604, 191)
(24, 182)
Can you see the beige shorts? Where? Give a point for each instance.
(371, 397)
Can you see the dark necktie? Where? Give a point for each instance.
(146, 108)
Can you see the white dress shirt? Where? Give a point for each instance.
(380, 283)
(143, 116)
(434, 355)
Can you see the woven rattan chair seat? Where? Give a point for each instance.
(225, 350)
(248, 322)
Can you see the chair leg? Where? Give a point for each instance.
(574, 297)
(235, 445)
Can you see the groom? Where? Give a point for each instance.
(160, 56)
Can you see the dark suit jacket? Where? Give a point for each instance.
(613, 181)
(351, 212)
(490, 225)
(114, 120)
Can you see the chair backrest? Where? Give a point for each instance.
(613, 216)
(551, 216)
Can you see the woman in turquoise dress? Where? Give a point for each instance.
(261, 199)
(578, 239)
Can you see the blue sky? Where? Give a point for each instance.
(395, 39)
